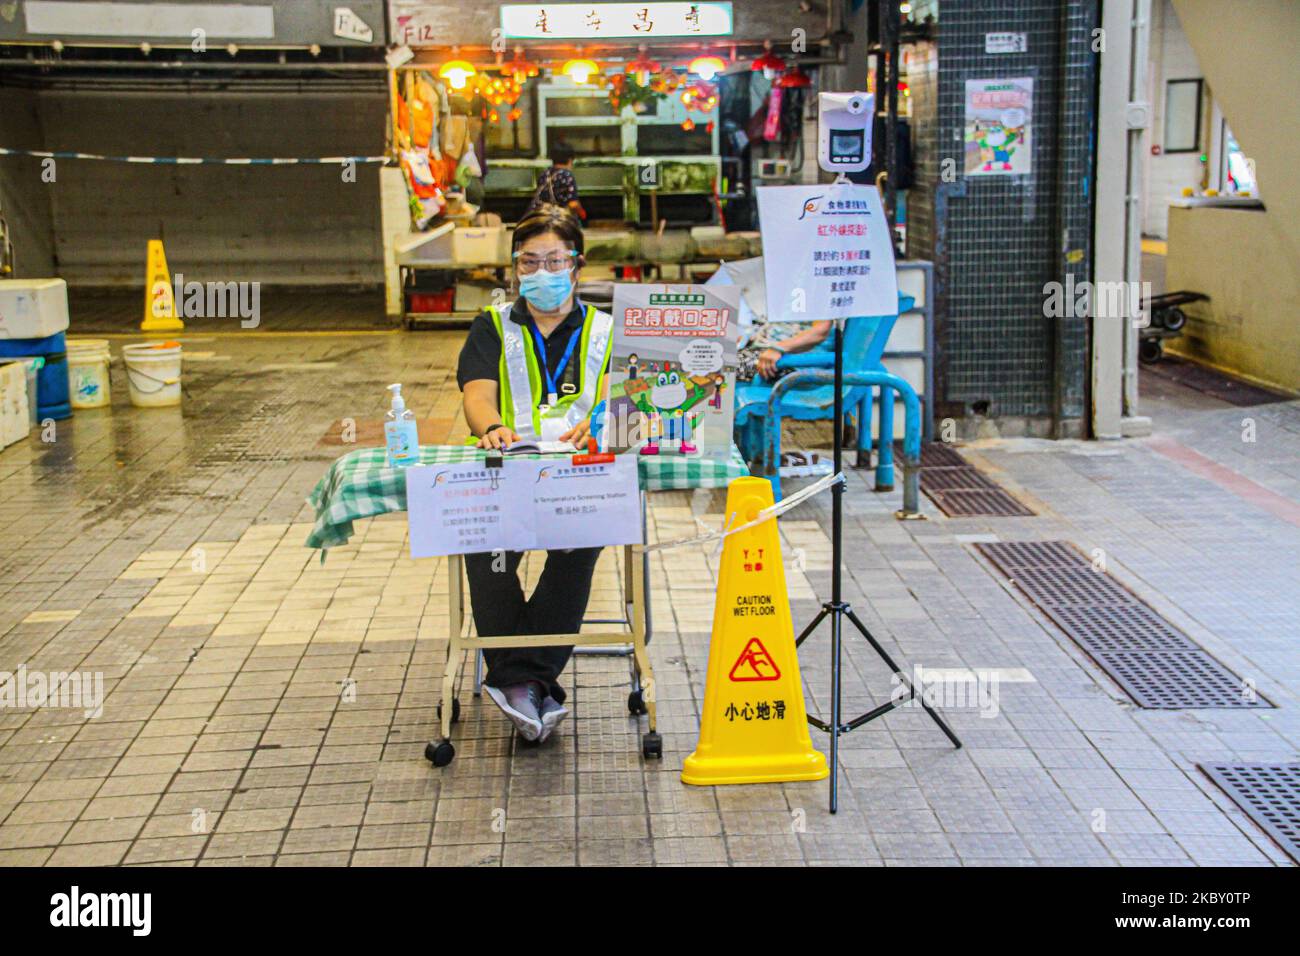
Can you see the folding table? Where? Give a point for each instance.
(361, 485)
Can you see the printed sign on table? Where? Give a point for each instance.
(999, 114)
(525, 505)
(827, 253)
(673, 372)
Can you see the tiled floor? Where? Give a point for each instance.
(264, 708)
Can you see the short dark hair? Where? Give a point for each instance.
(545, 219)
(561, 153)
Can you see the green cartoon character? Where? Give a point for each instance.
(998, 140)
(666, 406)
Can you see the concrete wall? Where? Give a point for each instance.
(24, 199)
(1238, 257)
(1249, 61)
(1172, 58)
(1247, 262)
(289, 224)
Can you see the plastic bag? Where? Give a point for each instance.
(468, 167)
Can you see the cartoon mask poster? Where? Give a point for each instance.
(999, 114)
(672, 376)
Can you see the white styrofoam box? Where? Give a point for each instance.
(33, 308)
(474, 245)
(15, 417)
(474, 296)
(908, 334)
(912, 282)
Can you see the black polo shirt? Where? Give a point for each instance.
(480, 357)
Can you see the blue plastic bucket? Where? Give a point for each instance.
(52, 395)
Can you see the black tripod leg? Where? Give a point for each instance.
(836, 715)
(811, 627)
(894, 668)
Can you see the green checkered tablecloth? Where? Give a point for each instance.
(361, 485)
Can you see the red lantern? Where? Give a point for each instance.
(769, 63)
(795, 78)
(642, 67)
(520, 69)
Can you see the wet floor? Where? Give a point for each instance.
(162, 549)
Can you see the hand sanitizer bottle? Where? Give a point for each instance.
(400, 434)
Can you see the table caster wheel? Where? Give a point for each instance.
(455, 711)
(439, 754)
(1149, 351)
(652, 745)
(1174, 319)
(636, 704)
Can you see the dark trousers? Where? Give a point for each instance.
(556, 607)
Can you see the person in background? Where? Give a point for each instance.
(760, 355)
(534, 369)
(557, 186)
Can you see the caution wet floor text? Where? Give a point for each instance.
(754, 728)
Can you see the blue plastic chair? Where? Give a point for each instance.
(865, 338)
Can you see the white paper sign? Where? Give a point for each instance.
(349, 26)
(827, 253)
(588, 505)
(460, 509)
(1006, 42)
(525, 505)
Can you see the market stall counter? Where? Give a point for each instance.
(362, 485)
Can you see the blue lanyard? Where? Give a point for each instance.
(551, 390)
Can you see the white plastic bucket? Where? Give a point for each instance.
(88, 379)
(153, 373)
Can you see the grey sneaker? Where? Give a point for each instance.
(521, 703)
(552, 713)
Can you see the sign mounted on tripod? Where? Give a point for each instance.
(828, 254)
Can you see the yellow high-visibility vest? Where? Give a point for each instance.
(522, 392)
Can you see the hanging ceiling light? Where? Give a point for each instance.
(456, 71)
(579, 69)
(769, 63)
(707, 67)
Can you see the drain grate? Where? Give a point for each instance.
(1156, 664)
(1268, 793)
(1030, 554)
(1130, 627)
(937, 454)
(975, 502)
(944, 479)
(1070, 587)
(1177, 680)
(962, 490)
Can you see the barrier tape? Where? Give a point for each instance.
(778, 509)
(198, 160)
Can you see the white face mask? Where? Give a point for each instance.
(546, 290)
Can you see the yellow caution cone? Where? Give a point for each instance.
(159, 300)
(754, 728)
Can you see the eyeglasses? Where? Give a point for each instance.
(528, 264)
